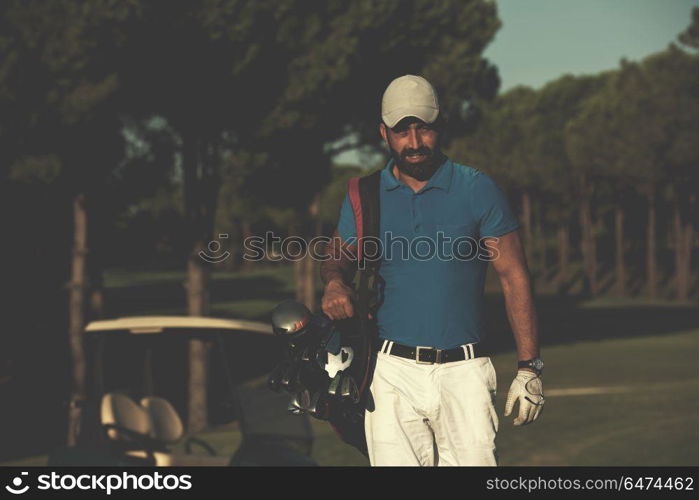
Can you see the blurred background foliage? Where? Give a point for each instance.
(178, 122)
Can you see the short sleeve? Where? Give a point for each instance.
(346, 226)
(491, 207)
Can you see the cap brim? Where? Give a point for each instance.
(427, 114)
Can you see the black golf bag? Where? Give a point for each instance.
(328, 364)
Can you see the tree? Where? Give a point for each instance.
(231, 78)
(674, 85)
(591, 144)
(213, 72)
(337, 71)
(558, 180)
(68, 110)
(503, 147)
(690, 36)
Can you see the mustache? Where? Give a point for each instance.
(422, 150)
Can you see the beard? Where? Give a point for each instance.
(422, 170)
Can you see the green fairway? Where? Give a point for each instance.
(646, 411)
(616, 402)
(629, 400)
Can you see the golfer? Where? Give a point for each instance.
(441, 223)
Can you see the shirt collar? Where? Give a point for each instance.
(440, 179)
(389, 181)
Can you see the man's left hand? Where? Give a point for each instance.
(529, 391)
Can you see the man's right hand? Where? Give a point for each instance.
(337, 300)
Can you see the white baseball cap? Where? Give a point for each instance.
(409, 95)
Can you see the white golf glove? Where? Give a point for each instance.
(528, 390)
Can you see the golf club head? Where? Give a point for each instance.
(306, 354)
(289, 380)
(275, 378)
(290, 319)
(295, 406)
(318, 407)
(300, 402)
(349, 389)
(334, 387)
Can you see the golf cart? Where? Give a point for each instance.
(137, 390)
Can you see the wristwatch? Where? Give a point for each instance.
(535, 364)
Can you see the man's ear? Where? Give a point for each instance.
(384, 132)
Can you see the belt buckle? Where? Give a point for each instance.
(417, 356)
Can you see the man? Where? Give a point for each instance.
(433, 388)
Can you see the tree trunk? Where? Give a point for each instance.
(201, 192)
(298, 263)
(198, 305)
(563, 255)
(541, 242)
(651, 273)
(95, 271)
(94, 261)
(248, 264)
(678, 236)
(232, 243)
(309, 268)
(684, 239)
(309, 289)
(527, 216)
(589, 247)
(299, 282)
(687, 261)
(689, 241)
(77, 293)
(619, 243)
(97, 294)
(198, 282)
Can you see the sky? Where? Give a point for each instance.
(540, 40)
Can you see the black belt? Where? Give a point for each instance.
(430, 355)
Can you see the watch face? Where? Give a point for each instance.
(538, 364)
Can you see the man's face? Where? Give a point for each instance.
(414, 146)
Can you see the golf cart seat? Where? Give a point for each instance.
(127, 427)
(166, 425)
(123, 419)
(142, 432)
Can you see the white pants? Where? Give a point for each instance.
(427, 415)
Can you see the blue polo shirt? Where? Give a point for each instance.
(432, 273)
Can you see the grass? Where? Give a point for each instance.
(655, 421)
(649, 417)
(652, 420)
(635, 362)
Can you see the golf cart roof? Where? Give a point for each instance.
(160, 324)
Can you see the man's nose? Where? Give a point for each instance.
(414, 140)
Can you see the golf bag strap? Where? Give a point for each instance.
(356, 202)
(364, 196)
